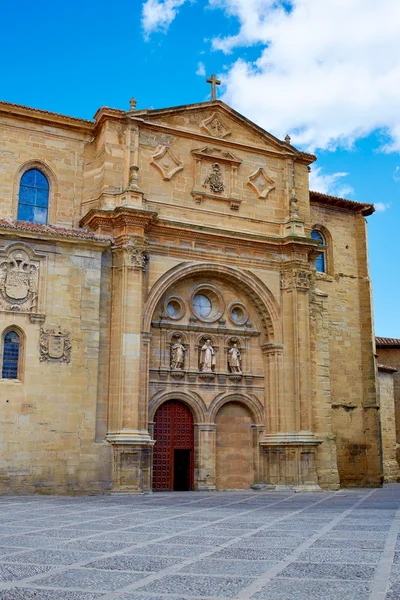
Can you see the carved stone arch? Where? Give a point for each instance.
(173, 335)
(250, 402)
(203, 336)
(326, 234)
(261, 296)
(191, 399)
(235, 338)
(53, 186)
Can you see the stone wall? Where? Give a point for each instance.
(386, 393)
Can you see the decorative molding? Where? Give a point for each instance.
(215, 127)
(55, 345)
(166, 162)
(296, 279)
(217, 169)
(131, 254)
(260, 183)
(19, 280)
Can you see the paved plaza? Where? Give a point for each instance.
(261, 545)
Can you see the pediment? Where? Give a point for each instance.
(218, 121)
(216, 154)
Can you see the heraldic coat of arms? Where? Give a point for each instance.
(19, 282)
(55, 345)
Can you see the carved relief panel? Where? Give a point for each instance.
(55, 345)
(20, 277)
(216, 176)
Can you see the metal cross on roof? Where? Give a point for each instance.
(214, 82)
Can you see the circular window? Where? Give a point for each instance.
(202, 305)
(207, 303)
(238, 313)
(174, 307)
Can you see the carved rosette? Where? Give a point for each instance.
(215, 127)
(166, 162)
(260, 183)
(297, 278)
(19, 282)
(55, 345)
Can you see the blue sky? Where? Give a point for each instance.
(327, 73)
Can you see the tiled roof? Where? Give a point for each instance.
(387, 369)
(383, 342)
(53, 230)
(45, 112)
(363, 207)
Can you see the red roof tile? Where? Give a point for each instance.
(42, 111)
(336, 202)
(382, 342)
(387, 369)
(53, 230)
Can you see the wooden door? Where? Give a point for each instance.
(173, 432)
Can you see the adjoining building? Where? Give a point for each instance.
(177, 309)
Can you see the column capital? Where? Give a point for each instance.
(296, 278)
(272, 348)
(131, 253)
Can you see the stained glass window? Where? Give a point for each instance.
(320, 261)
(33, 199)
(11, 348)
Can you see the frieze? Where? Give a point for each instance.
(19, 281)
(55, 345)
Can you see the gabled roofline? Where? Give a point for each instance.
(343, 203)
(156, 112)
(45, 116)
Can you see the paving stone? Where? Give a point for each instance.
(344, 555)
(133, 563)
(29, 541)
(253, 554)
(312, 590)
(240, 568)
(271, 542)
(203, 540)
(328, 571)
(94, 546)
(175, 550)
(12, 572)
(349, 543)
(90, 579)
(52, 557)
(393, 591)
(42, 594)
(227, 587)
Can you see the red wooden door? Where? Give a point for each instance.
(173, 430)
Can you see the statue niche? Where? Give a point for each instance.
(177, 354)
(234, 359)
(207, 357)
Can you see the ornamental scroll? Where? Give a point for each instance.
(19, 281)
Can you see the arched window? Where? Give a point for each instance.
(11, 355)
(33, 200)
(320, 261)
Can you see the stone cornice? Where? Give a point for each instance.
(51, 233)
(122, 222)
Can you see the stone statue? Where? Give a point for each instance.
(207, 357)
(234, 358)
(177, 354)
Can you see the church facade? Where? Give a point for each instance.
(177, 309)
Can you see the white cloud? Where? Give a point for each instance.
(201, 69)
(157, 15)
(381, 206)
(330, 183)
(328, 71)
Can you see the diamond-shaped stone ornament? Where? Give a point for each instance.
(260, 183)
(166, 162)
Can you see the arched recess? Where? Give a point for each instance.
(328, 252)
(191, 399)
(251, 403)
(262, 298)
(21, 355)
(53, 186)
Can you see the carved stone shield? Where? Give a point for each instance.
(56, 346)
(17, 284)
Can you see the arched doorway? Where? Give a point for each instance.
(235, 465)
(173, 453)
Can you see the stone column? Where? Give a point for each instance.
(205, 457)
(127, 428)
